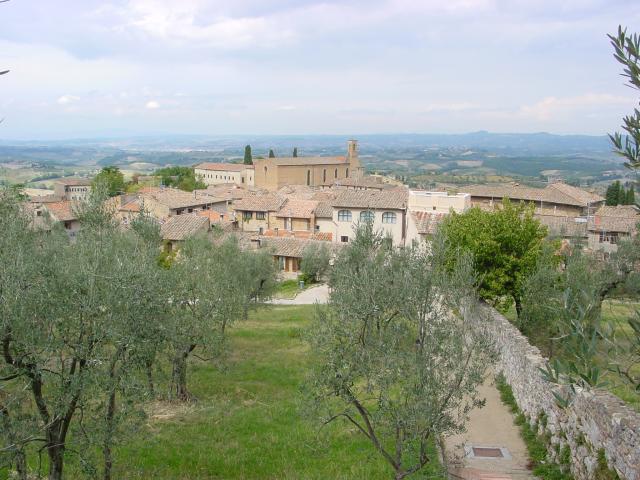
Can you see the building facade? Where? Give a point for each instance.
(275, 173)
(221, 173)
(72, 189)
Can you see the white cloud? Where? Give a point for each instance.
(67, 99)
(191, 22)
(152, 105)
(551, 107)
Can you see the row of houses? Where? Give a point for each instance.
(329, 211)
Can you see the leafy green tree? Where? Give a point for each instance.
(393, 360)
(315, 261)
(295, 152)
(271, 153)
(627, 52)
(248, 159)
(183, 178)
(113, 179)
(505, 245)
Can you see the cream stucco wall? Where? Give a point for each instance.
(218, 177)
(438, 202)
(271, 176)
(347, 228)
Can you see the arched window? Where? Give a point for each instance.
(335, 173)
(308, 177)
(388, 217)
(324, 176)
(265, 170)
(344, 216)
(347, 175)
(367, 216)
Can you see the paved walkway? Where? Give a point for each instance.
(492, 432)
(318, 294)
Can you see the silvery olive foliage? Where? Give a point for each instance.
(397, 360)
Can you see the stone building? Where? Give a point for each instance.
(610, 225)
(179, 228)
(162, 203)
(426, 210)
(275, 173)
(257, 213)
(557, 199)
(72, 189)
(221, 173)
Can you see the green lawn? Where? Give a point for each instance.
(289, 289)
(248, 421)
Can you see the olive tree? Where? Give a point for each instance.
(396, 360)
(73, 325)
(316, 258)
(205, 299)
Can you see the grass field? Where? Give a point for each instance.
(248, 421)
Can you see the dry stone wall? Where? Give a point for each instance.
(596, 421)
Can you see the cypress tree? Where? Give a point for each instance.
(613, 193)
(622, 195)
(271, 154)
(295, 152)
(631, 196)
(248, 159)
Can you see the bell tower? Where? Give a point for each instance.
(355, 167)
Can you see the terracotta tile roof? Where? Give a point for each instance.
(297, 208)
(557, 193)
(427, 222)
(324, 210)
(259, 203)
(582, 196)
(180, 227)
(363, 182)
(174, 198)
(230, 191)
(292, 247)
(386, 199)
(74, 181)
(212, 215)
(323, 236)
(302, 192)
(623, 218)
(63, 211)
(225, 167)
(131, 206)
(305, 160)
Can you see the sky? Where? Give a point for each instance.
(89, 68)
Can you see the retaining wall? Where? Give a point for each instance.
(595, 420)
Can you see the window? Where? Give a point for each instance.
(281, 263)
(367, 216)
(388, 217)
(609, 237)
(335, 173)
(344, 239)
(260, 216)
(308, 177)
(324, 176)
(247, 215)
(434, 207)
(344, 216)
(347, 175)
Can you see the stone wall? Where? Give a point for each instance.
(595, 420)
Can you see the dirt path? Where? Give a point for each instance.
(318, 294)
(490, 431)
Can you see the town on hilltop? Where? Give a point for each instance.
(287, 203)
